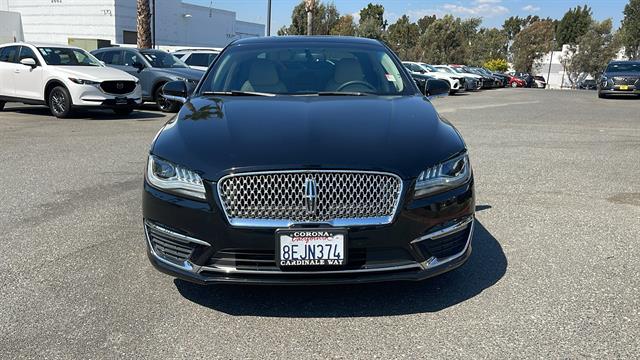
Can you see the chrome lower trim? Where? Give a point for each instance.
(232, 270)
(434, 262)
(175, 234)
(186, 266)
(267, 223)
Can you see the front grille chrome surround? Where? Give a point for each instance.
(281, 198)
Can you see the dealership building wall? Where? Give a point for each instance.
(177, 23)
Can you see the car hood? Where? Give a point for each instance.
(95, 73)
(218, 135)
(475, 76)
(622, 74)
(187, 73)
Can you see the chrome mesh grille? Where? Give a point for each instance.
(618, 80)
(281, 198)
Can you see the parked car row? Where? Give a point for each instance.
(465, 78)
(66, 78)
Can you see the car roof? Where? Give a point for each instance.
(265, 40)
(39, 44)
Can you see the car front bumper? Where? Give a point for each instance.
(631, 90)
(92, 96)
(209, 250)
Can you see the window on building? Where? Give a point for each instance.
(129, 37)
(9, 54)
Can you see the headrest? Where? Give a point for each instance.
(263, 72)
(348, 70)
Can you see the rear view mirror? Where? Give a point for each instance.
(138, 65)
(175, 91)
(28, 62)
(436, 88)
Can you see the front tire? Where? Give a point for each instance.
(601, 95)
(2, 105)
(60, 102)
(514, 84)
(163, 104)
(123, 110)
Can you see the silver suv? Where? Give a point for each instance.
(154, 68)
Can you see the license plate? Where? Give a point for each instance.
(311, 247)
(624, 87)
(121, 101)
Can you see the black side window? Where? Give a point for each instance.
(130, 58)
(98, 56)
(9, 54)
(198, 60)
(26, 52)
(112, 57)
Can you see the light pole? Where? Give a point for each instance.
(553, 43)
(268, 17)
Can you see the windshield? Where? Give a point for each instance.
(429, 67)
(304, 69)
(623, 67)
(161, 59)
(68, 57)
(444, 69)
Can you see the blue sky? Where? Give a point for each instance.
(493, 12)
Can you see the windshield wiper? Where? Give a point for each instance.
(237, 93)
(335, 93)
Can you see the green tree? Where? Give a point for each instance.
(344, 26)
(374, 14)
(446, 41)
(403, 36)
(573, 25)
(630, 30)
(512, 26)
(497, 65)
(424, 22)
(323, 19)
(488, 44)
(531, 44)
(592, 52)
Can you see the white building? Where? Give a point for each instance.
(177, 23)
(10, 27)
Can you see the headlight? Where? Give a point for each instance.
(445, 176)
(84, 82)
(173, 178)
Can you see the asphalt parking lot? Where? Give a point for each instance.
(554, 271)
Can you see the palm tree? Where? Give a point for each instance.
(310, 7)
(144, 24)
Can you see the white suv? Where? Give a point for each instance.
(198, 59)
(63, 78)
(456, 83)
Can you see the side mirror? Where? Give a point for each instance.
(29, 62)
(138, 65)
(436, 88)
(175, 91)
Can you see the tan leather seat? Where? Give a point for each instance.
(346, 70)
(263, 77)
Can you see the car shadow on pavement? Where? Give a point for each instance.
(89, 114)
(486, 266)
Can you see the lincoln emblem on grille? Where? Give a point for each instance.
(310, 195)
(119, 86)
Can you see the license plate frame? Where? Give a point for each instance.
(122, 101)
(324, 240)
(624, 87)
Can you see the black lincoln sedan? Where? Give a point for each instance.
(306, 160)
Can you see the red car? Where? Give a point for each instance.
(516, 81)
